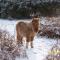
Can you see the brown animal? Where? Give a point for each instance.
(27, 30)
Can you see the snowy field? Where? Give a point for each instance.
(42, 45)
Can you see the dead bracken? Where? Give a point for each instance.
(9, 50)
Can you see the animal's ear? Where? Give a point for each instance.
(35, 17)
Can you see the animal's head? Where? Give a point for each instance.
(35, 23)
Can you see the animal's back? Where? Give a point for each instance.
(24, 28)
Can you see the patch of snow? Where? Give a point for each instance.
(41, 44)
(41, 47)
(7, 25)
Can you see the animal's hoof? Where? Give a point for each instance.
(27, 47)
(31, 46)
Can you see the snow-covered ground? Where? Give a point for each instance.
(8, 25)
(42, 45)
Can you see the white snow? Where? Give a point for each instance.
(7, 25)
(41, 44)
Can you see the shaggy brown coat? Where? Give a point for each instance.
(27, 30)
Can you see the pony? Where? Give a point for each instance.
(28, 30)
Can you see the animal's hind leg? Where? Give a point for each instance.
(27, 44)
(19, 40)
(31, 42)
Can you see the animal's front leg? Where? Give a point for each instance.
(31, 43)
(19, 41)
(27, 44)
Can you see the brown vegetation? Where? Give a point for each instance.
(49, 32)
(8, 48)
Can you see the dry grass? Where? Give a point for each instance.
(8, 49)
(49, 34)
(49, 31)
(54, 54)
(50, 27)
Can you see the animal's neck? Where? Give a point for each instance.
(35, 25)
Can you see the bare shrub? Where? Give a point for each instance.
(8, 49)
(49, 32)
(54, 54)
